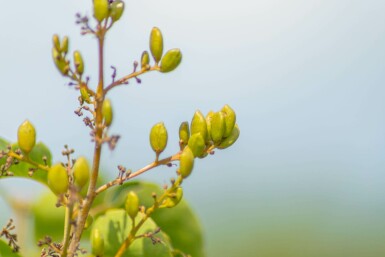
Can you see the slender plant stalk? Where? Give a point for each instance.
(97, 151)
(67, 229)
(138, 172)
(27, 160)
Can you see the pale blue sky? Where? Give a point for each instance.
(306, 78)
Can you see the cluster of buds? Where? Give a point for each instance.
(59, 54)
(169, 62)
(59, 178)
(216, 130)
(104, 9)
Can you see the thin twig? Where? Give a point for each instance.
(150, 166)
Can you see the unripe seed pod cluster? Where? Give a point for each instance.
(173, 198)
(116, 10)
(107, 112)
(26, 136)
(145, 60)
(184, 134)
(171, 60)
(79, 64)
(81, 172)
(58, 179)
(186, 162)
(84, 94)
(222, 128)
(132, 204)
(101, 9)
(206, 133)
(158, 137)
(59, 51)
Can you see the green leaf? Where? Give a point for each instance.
(48, 219)
(115, 226)
(6, 251)
(21, 170)
(179, 223)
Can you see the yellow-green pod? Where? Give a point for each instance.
(84, 94)
(132, 204)
(199, 125)
(56, 42)
(81, 172)
(197, 144)
(208, 123)
(230, 140)
(58, 179)
(158, 137)
(26, 136)
(173, 199)
(64, 45)
(60, 63)
(116, 10)
(218, 127)
(184, 133)
(186, 162)
(171, 60)
(156, 44)
(145, 60)
(101, 9)
(79, 64)
(230, 119)
(97, 242)
(107, 112)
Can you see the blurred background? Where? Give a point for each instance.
(306, 78)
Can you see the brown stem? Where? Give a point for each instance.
(128, 77)
(85, 208)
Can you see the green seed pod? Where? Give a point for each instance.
(230, 140)
(81, 171)
(84, 94)
(208, 123)
(116, 10)
(97, 242)
(58, 179)
(107, 112)
(26, 136)
(173, 199)
(60, 63)
(158, 137)
(89, 222)
(132, 204)
(184, 133)
(186, 162)
(56, 42)
(145, 60)
(100, 9)
(218, 127)
(79, 64)
(230, 119)
(64, 45)
(156, 44)
(197, 144)
(171, 60)
(199, 125)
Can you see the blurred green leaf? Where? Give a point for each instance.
(48, 219)
(6, 251)
(21, 170)
(179, 223)
(115, 226)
